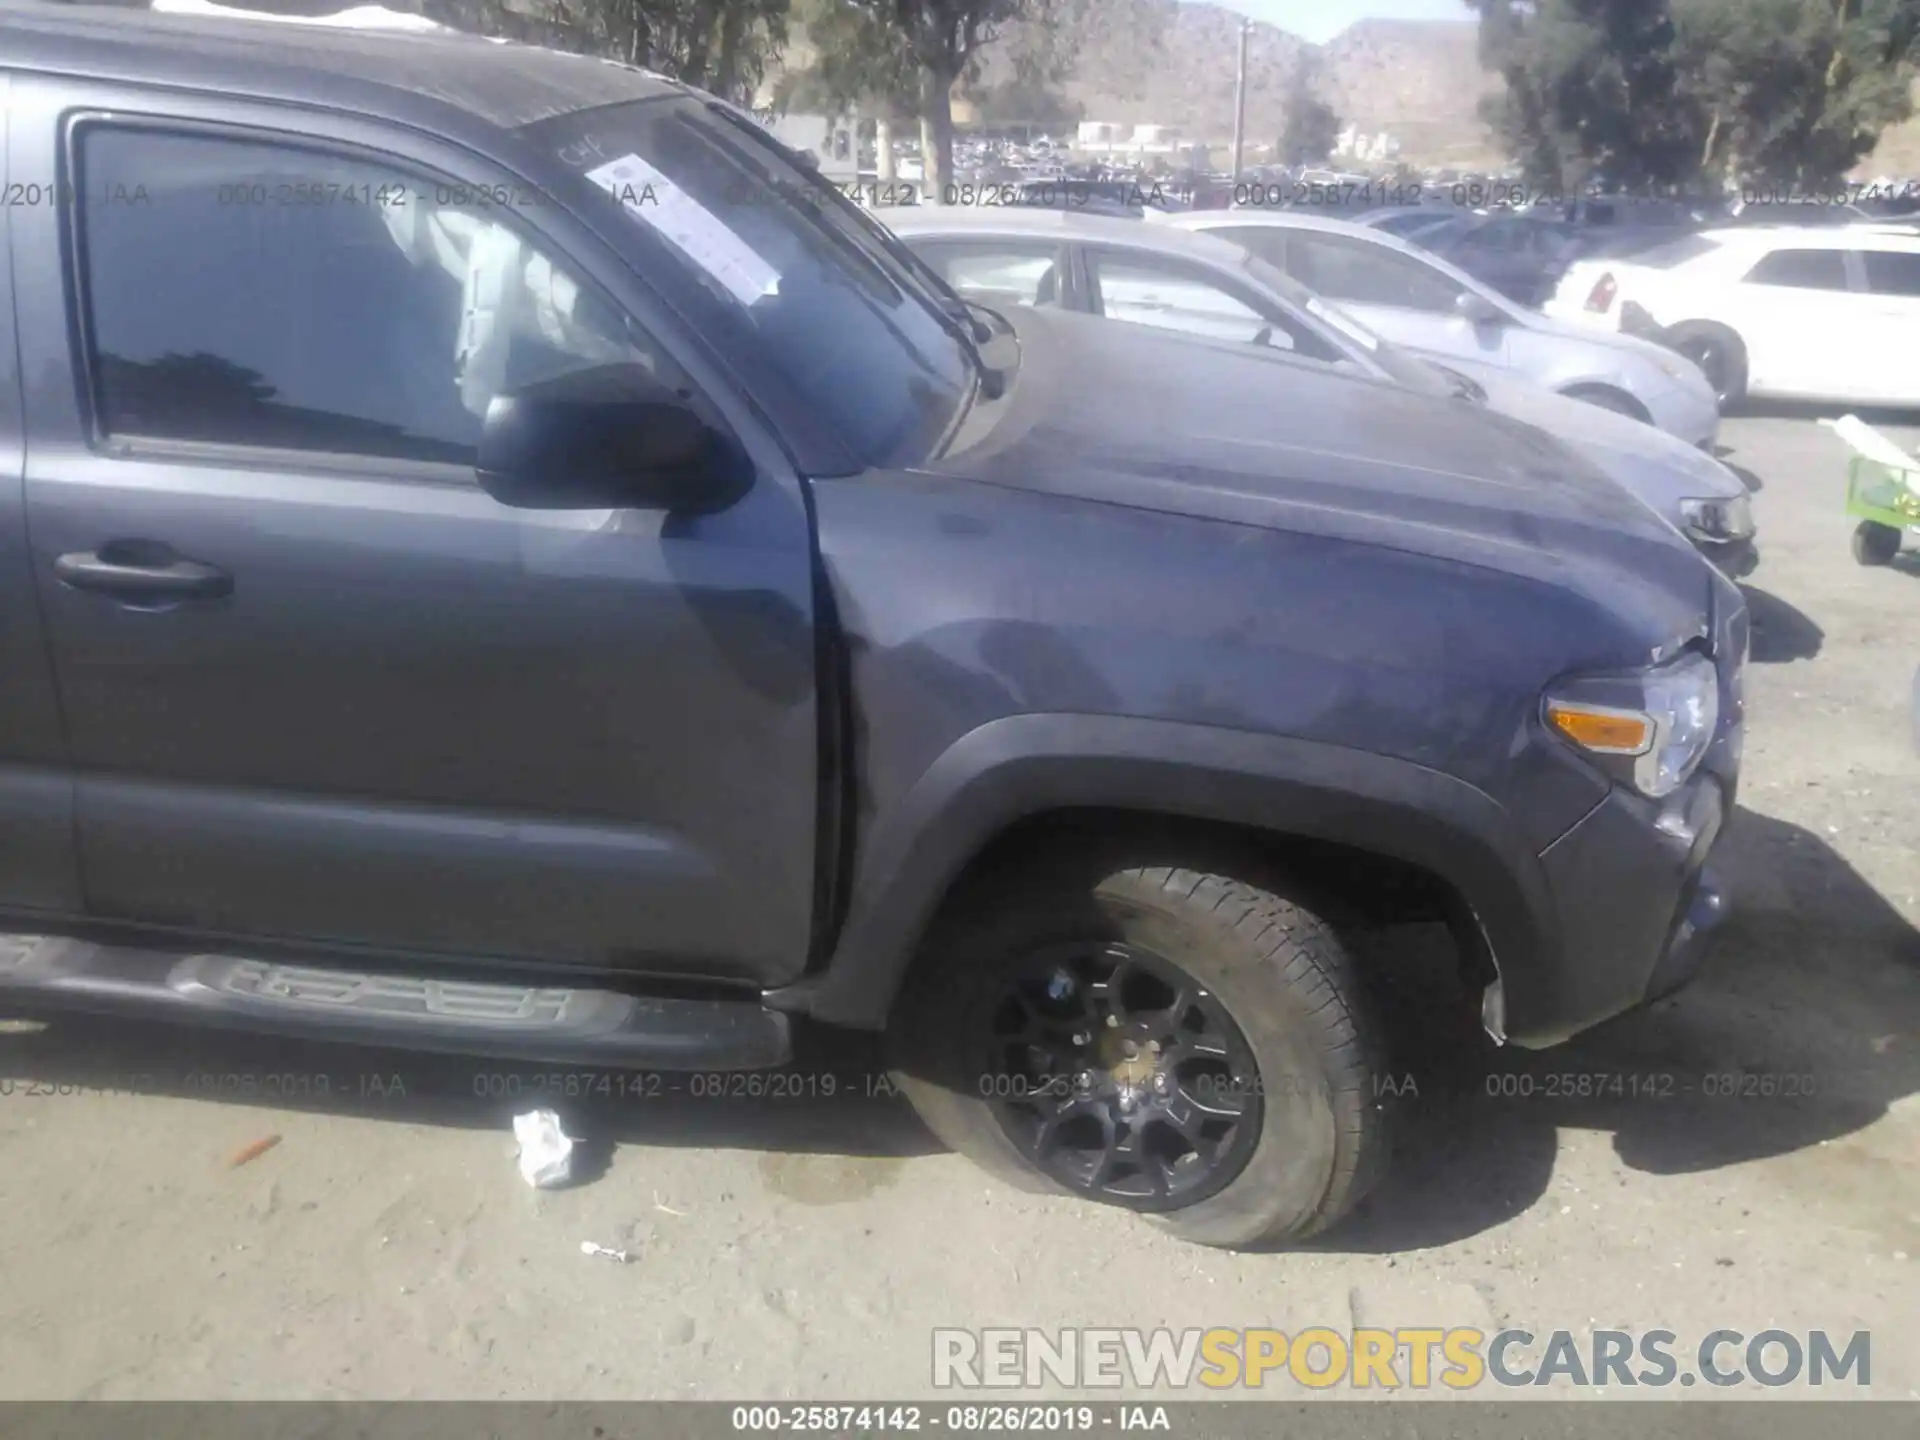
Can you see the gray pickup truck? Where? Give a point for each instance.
(498, 556)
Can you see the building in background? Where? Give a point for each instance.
(1357, 144)
(1138, 142)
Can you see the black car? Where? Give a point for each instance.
(1407, 221)
(520, 565)
(1519, 254)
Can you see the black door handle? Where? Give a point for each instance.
(140, 569)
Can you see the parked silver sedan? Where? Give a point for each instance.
(1440, 312)
(1202, 285)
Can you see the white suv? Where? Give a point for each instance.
(1803, 312)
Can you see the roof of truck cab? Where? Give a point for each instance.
(407, 77)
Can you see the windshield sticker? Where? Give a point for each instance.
(1344, 323)
(654, 200)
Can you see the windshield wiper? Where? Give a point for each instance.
(957, 320)
(948, 304)
(949, 307)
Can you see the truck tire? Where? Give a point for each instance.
(1719, 352)
(1174, 1042)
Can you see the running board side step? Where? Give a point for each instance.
(554, 1024)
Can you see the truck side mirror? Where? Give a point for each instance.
(608, 437)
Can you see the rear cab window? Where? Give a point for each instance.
(1801, 269)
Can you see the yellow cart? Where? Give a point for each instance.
(1883, 491)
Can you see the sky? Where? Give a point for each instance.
(1321, 20)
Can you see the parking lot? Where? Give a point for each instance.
(802, 1244)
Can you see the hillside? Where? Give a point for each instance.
(1167, 63)
(1171, 63)
(1159, 61)
(1420, 81)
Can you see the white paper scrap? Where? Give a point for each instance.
(656, 201)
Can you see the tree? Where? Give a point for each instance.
(908, 55)
(719, 45)
(858, 61)
(1309, 127)
(943, 36)
(1656, 93)
(1024, 100)
(1793, 94)
(1592, 90)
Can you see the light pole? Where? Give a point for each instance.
(1240, 98)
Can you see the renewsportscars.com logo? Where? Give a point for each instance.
(1369, 1359)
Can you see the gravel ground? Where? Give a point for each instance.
(804, 1246)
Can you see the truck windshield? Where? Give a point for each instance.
(778, 266)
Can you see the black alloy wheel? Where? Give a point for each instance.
(1121, 1078)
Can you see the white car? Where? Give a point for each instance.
(1200, 285)
(1825, 312)
(1438, 311)
(359, 17)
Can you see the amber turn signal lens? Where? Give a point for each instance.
(1607, 732)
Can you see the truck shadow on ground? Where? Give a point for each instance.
(1880, 416)
(1803, 1027)
(833, 1098)
(1782, 632)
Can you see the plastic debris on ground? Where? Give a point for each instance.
(546, 1151)
(620, 1257)
(252, 1150)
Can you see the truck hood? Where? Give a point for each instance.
(1659, 468)
(1121, 414)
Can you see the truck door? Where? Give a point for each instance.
(321, 688)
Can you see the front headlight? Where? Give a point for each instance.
(1718, 519)
(1649, 730)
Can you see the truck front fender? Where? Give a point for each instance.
(1022, 766)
